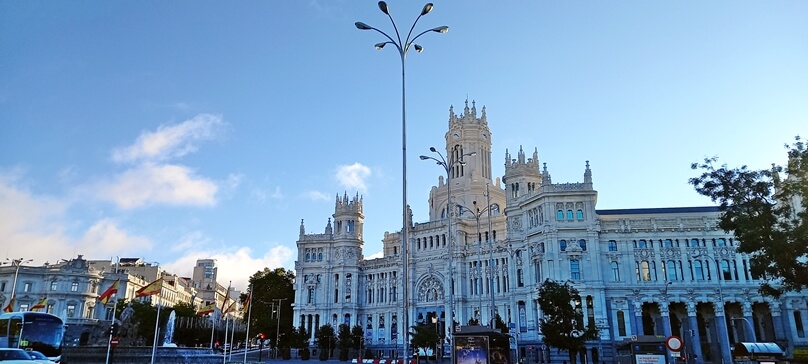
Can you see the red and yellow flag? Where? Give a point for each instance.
(246, 307)
(40, 305)
(10, 306)
(204, 310)
(230, 308)
(113, 289)
(150, 290)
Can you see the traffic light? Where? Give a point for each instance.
(113, 329)
(261, 335)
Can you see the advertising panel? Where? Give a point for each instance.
(471, 350)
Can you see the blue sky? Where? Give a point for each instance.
(181, 130)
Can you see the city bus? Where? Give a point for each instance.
(643, 349)
(33, 331)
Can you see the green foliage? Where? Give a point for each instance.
(272, 289)
(345, 341)
(357, 337)
(563, 323)
(501, 325)
(305, 354)
(767, 214)
(184, 309)
(474, 322)
(300, 338)
(325, 338)
(425, 336)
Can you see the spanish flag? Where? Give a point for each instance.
(40, 305)
(231, 308)
(207, 309)
(150, 290)
(246, 307)
(113, 289)
(10, 306)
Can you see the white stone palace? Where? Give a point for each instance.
(646, 271)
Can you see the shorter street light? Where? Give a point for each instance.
(448, 166)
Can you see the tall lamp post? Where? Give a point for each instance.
(448, 166)
(16, 263)
(490, 258)
(477, 213)
(725, 351)
(278, 328)
(403, 47)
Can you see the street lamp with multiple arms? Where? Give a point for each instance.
(403, 47)
(448, 166)
(16, 263)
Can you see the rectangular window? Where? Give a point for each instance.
(575, 269)
(49, 308)
(53, 285)
(27, 287)
(621, 323)
(74, 287)
(612, 245)
(520, 278)
(71, 310)
(798, 324)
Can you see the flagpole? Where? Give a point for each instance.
(232, 336)
(224, 344)
(156, 326)
(249, 314)
(213, 325)
(112, 322)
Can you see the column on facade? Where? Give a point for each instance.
(721, 330)
(749, 324)
(695, 338)
(636, 323)
(777, 321)
(664, 311)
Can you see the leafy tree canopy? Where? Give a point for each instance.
(563, 322)
(425, 336)
(768, 215)
(272, 297)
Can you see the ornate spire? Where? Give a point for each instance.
(587, 174)
(302, 229)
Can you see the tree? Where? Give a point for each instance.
(357, 337)
(768, 215)
(563, 321)
(300, 341)
(424, 337)
(345, 341)
(272, 289)
(325, 339)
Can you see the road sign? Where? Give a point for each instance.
(674, 343)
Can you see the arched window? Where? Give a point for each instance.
(645, 271)
(693, 243)
(569, 215)
(560, 215)
(615, 272)
(726, 274)
(582, 244)
(612, 245)
(668, 243)
(621, 323)
(721, 242)
(494, 209)
(580, 214)
(642, 244)
(698, 270)
(670, 270)
(563, 245)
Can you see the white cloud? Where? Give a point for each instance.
(379, 254)
(170, 141)
(353, 176)
(34, 227)
(316, 196)
(150, 183)
(233, 265)
(105, 238)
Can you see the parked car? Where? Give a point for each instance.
(14, 356)
(38, 357)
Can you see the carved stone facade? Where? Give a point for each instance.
(650, 271)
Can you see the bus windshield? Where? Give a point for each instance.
(32, 331)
